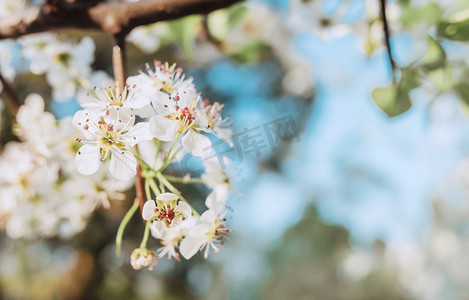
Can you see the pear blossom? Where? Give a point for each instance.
(170, 238)
(95, 79)
(64, 63)
(114, 135)
(178, 115)
(214, 176)
(162, 81)
(207, 233)
(210, 228)
(168, 212)
(142, 257)
(103, 98)
(216, 124)
(36, 126)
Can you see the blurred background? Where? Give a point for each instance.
(350, 179)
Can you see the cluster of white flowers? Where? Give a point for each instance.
(172, 117)
(167, 98)
(64, 63)
(41, 194)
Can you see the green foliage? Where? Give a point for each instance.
(251, 51)
(306, 265)
(435, 57)
(414, 15)
(456, 31)
(442, 78)
(462, 89)
(395, 99)
(185, 30)
(220, 22)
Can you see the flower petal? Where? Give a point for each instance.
(196, 144)
(217, 199)
(162, 103)
(139, 132)
(145, 111)
(148, 210)
(162, 128)
(184, 209)
(120, 117)
(167, 197)
(190, 245)
(83, 118)
(123, 164)
(188, 98)
(88, 159)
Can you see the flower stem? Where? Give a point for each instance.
(169, 157)
(123, 224)
(158, 148)
(184, 180)
(153, 186)
(170, 187)
(147, 189)
(143, 244)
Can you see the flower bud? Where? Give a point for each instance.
(142, 257)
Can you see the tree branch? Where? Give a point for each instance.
(10, 96)
(116, 19)
(387, 36)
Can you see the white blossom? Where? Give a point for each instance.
(36, 126)
(103, 98)
(170, 238)
(114, 135)
(178, 115)
(163, 80)
(207, 233)
(216, 124)
(64, 63)
(168, 212)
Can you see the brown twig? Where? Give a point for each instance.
(10, 97)
(119, 66)
(387, 36)
(116, 19)
(118, 61)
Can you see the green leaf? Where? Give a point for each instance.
(462, 89)
(413, 15)
(442, 78)
(237, 14)
(389, 100)
(435, 57)
(455, 31)
(254, 50)
(409, 80)
(395, 100)
(185, 30)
